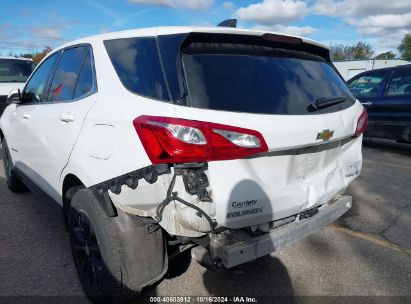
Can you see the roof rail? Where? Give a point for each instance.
(228, 23)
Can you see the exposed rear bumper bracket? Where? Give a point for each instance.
(233, 252)
(150, 174)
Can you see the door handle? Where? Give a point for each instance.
(26, 115)
(367, 103)
(67, 117)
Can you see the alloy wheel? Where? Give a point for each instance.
(7, 162)
(86, 251)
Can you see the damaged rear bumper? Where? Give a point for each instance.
(233, 251)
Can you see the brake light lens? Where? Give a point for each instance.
(361, 123)
(281, 38)
(174, 140)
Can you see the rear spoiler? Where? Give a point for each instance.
(271, 40)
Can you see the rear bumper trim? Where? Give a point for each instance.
(235, 252)
(312, 148)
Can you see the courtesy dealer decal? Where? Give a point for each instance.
(250, 203)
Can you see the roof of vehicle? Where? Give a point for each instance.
(169, 30)
(16, 58)
(372, 59)
(401, 66)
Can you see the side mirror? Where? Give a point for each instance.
(14, 96)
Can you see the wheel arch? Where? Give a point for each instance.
(1, 135)
(71, 184)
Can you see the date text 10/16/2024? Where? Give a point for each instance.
(202, 299)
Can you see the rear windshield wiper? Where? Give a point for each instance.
(325, 102)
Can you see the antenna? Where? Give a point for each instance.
(228, 23)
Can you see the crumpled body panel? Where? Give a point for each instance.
(282, 185)
(248, 192)
(177, 218)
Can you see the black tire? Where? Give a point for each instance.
(179, 264)
(13, 182)
(95, 251)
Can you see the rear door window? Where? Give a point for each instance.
(85, 83)
(367, 85)
(254, 79)
(400, 83)
(138, 66)
(66, 75)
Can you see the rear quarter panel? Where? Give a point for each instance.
(108, 145)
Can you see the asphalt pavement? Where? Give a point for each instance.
(365, 256)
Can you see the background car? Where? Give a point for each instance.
(13, 74)
(386, 94)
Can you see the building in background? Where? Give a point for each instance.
(348, 69)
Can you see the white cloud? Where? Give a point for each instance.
(271, 12)
(289, 30)
(47, 32)
(388, 30)
(390, 41)
(20, 38)
(228, 5)
(359, 8)
(195, 5)
(382, 21)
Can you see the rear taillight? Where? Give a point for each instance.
(174, 140)
(361, 123)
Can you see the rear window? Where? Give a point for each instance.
(254, 79)
(66, 75)
(137, 64)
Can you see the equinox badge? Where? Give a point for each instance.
(325, 135)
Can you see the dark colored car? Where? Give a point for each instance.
(386, 93)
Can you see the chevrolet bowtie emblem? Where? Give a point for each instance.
(325, 135)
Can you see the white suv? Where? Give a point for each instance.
(13, 74)
(225, 142)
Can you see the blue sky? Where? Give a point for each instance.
(32, 25)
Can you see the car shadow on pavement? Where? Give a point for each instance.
(387, 145)
(251, 280)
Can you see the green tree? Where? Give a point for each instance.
(405, 47)
(338, 52)
(362, 50)
(385, 55)
(359, 50)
